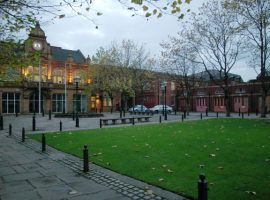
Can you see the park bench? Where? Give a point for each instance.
(113, 121)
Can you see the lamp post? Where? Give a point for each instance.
(164, 87)
(37, 46)
(77, 80)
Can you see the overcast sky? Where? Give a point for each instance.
(116, 24)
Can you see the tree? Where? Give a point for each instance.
(133, 64)
(177, 61)
(19, 15)
(254, 17)
(216, 39)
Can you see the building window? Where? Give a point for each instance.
(172, 85)
(58, 103)
(34, 103)
(79, 101)
(11, 102)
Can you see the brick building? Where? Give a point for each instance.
(55, 89)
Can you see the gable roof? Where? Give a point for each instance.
(217, 76)
(60, 54)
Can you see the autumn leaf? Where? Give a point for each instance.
(220, 167)
(170, 171)
(161, 179)
(212, 155)
(114, 146)
(201, 165)
(164, 166)
(251, 192)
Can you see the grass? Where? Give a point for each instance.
(234, 154)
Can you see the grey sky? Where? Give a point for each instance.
(117, 24)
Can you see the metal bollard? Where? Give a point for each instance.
(16, 113)
(239, 112)
(85, 159)
(133, 121)
(60, 125)
(182, 118)
(100, 123)
(202, 188)
(23, 134)
(124, 113)
(50, 114)
(10, 130)
(217, 114)
(175, 112)
(1, 123)
(43, 143)
(73, 115)
(201, 115)
(34, 123)
(159, 118)
(206, 112)
(242, 115)
(120, 113)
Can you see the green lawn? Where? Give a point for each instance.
(234, 154)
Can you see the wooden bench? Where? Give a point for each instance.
(106, 121)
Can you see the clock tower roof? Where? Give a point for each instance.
(37, 32)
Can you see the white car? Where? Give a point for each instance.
(138, 108)
(159, 109)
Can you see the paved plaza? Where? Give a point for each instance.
(28, 173)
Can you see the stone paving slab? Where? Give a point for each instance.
(56, 175)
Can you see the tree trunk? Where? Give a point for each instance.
(227, 102)
(263, 104)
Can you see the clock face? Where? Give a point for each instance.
(37, 45)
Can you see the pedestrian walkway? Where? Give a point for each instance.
(28, 173)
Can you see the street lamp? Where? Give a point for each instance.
(37, 46)
(77, 80)
(163, 87)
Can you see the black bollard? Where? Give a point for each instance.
(10, 130)
(159, 118)
(242, 115)
(201, 115)
(124, 113)
(34, 123)
(248, 112)
(185, 114)
(202, 188)
(73, 115)
(206, 112)
(23, 134)
(60, 125)
(133, 121)
(100, 123)
(217, 114)
(43, 143)
(85, 159)
(16, 113)
(77, 122)
(239, 112)
(182, 117)
(50, 114)
(1, 123)
(175, 112)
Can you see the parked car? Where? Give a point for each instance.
(138, 108)
(159, 109)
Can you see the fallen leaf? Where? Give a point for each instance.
(217, 149)
(267, 160)
(99, 153)
(73, 192)
(161, 179)
(212, 155)
(170, 171)
(164, 166)
(153, 168)
(220, 167)
(201, 166)
(146, 156)
(251, 192)
(114, 146)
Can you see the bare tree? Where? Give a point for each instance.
(177, 61)
(216, 39)
(254, 17)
